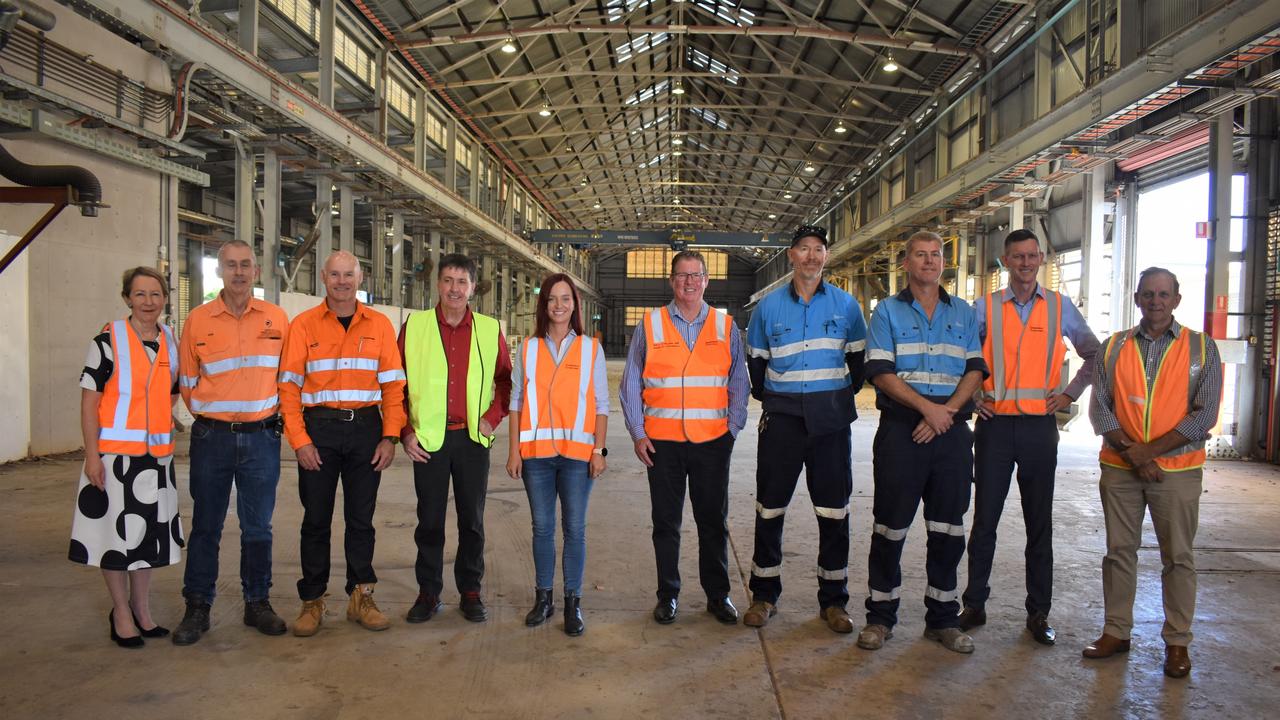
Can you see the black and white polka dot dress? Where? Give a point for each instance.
(134, 524)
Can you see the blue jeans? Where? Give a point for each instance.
(251, 461)
(544, 479)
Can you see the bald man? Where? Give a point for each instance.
(342, 398)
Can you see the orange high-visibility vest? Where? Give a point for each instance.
(686, 392)
(1146, 416)
(135, 415)
(559, 415)
(1025, 360)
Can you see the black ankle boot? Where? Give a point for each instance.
(573, 625)
(543, 606)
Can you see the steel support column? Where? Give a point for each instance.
(1095, 271)
(244, 200)
(247, 30)
(346, 219)
(1217, 262)
(269, 277)
(327, 22)
(397, 259)
(324, 244)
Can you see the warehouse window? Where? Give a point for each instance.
(635, 314)
(352, 56)
(656, 263)
(435, 130)
(401, 99)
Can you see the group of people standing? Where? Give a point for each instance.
(344, 389)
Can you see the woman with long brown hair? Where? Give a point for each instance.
(559, 415)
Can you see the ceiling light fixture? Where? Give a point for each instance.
(841, 129)
(678, 89)
(545, 111)
(509, 46)
(772, 216)
(677, 153)
(596, 206)
(889, 64)
(808, 167)
(787, 196)
(677, 141)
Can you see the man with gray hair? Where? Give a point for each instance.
(228, 360)
(1155, 398)
(342, 398)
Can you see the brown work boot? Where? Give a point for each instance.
(363, 610)
(759, 613)
(837, 619)
(308, 622)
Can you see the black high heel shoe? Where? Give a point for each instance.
(155, 632)
(133, 642)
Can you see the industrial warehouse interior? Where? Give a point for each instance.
(604, 140)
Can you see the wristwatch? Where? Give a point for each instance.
(601, 451)
(394, 440)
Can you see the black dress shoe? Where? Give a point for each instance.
(156, 631)
(665, 611)
(1040, 629)
(543, 607)
(131, 642)
(424, 608)
(573, 625)
(259, 614)
(971, 618)
(195, 621)
(472, 607)
(724, 610)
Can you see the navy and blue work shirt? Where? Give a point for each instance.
(806, 358)
(931, 356)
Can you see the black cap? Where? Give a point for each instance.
(805, 231)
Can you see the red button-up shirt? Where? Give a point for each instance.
(457, 352)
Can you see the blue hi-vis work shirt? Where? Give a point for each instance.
(929, 355)
(805, 358)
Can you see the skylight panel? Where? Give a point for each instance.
(640, 45)
(739, 16)
(700, 59)
(647, 93)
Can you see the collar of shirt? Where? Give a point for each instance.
(1007, 294)
(465, 322)
(821, 289)
(217, 306)
(700, 317)
(362, 310)
(906, 296)
(557, 351)
(1174, 331)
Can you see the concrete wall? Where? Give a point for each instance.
(15, 362)
(74, 270)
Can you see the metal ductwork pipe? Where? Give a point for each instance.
(88, 189)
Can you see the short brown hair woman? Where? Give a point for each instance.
(126, 515)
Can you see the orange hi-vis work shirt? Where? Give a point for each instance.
(1146, 416)
(559, 414)
(135, 414)
(326, 365)
(228, 365)
(686, 392)
(1025, 360)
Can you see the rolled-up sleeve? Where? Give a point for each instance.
(629, 389)
(1204, 405)
(1102, 414)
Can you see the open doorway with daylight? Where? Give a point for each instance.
(1166, 237)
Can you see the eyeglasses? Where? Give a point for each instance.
(681, 277)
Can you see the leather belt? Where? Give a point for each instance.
(319, 412)
(242, 427)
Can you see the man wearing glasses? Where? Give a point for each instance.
(805, 345)
(684, 396)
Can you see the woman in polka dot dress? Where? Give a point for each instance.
(126, 517)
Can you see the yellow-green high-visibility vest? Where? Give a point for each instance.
(428, 373)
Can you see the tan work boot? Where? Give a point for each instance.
(363, 610)
(308, 622)
(759, 613)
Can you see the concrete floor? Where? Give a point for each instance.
(60, 664)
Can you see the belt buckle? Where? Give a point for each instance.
(351, 415)
(235, 426)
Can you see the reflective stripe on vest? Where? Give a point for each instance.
(1148, 415)
(1025, 358)
(135, 414)
(686, 392)
(427, 370)
(559, 415)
